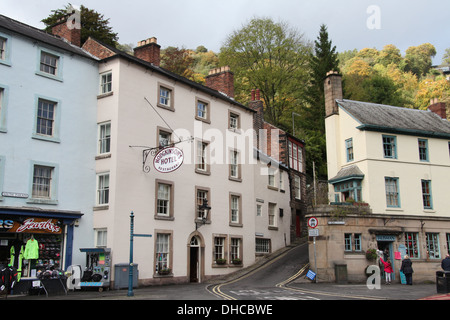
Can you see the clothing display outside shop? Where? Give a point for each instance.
(28, 253)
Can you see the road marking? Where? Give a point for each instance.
(216, 289)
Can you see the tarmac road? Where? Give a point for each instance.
(273, 278)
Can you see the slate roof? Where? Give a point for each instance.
(174, 76)
(397, 120)
(41, 36)
(346, 173)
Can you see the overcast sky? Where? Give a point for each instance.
(352, 24)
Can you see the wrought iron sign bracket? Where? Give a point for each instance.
(153, 152)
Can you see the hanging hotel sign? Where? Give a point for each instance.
(35, 225)
(168, 160)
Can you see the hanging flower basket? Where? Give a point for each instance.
(371, 254)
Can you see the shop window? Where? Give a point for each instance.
(433, 250)
(412, 244)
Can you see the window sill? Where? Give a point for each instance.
(49, 76)
(235, 179)
(42, 201)
(234, 224)
(104, 95)
(166, 218)
(199, 171)
(101, 207)
(168, 108)
(203, 120)
(45, 138)
(103, 156)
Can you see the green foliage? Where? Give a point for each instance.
(271, 57)
(93, 24)
(312, 114)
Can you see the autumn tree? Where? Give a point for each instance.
(272, 57)
(93, 24)
(419, 59)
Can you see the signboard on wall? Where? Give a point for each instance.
(33, 225)
(168, 160)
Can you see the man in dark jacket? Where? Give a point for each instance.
(446, 263)
(407, 269)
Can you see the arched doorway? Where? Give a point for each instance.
(195, 257)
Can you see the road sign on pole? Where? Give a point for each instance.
(313, 222)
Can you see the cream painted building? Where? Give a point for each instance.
(394, 163)
(142, 109)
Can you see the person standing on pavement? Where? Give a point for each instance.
(387, 269)
(445, 264)
(407, 269)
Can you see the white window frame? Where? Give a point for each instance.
(103, 189)
(106, 82)
(272, 215)
(104, 138)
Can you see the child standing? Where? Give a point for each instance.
(387, 269)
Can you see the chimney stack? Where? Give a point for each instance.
(258, 118)
(221, 79)
(438, 107)
(68, 29)
(333, 92)
(148, 50)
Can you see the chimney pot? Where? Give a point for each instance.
(221, 79)
(71, 34)
(148, 50)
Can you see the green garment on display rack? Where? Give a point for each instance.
(31, 250)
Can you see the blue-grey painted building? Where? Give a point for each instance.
(48, 130)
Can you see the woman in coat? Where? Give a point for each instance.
(407, 269)
(387, 269)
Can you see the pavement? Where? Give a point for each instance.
(199, 291)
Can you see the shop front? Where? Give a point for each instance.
(35, 248)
